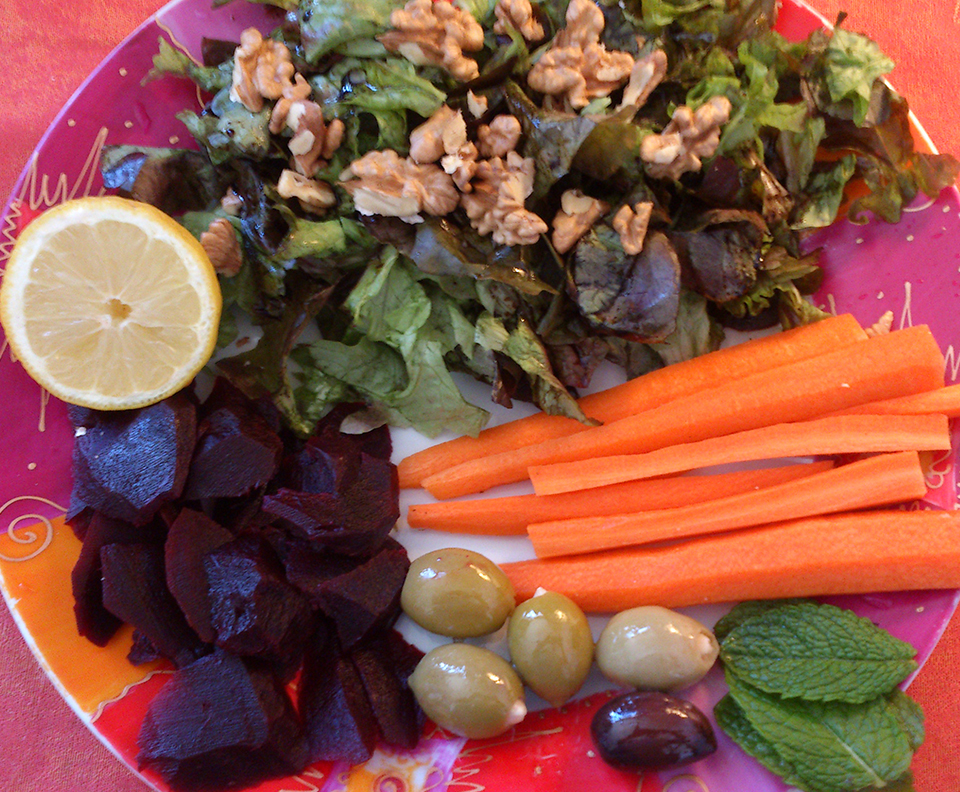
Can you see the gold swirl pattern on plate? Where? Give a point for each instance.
(29, 536)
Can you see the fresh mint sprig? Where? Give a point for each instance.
(813, 696)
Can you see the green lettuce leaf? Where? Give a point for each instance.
(230, 130)
(824, 193)
(170, 60)
(852, 63)
(326, 25)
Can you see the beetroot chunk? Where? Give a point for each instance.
(354, 522)
(339, 722)
(362, 599)
(135, 590)
(396, 710)
(236, 452)
(192, 536)
(127, 464)
(94, 621)
(254, 611)
(219, 725)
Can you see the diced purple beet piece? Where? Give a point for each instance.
(355, 522)
(314, 470)
(254, 611)
(236, 452)
(367, 596)
(219, 725)
(192, 536)
(226, 394)
(394, 706)
(135, 590)
(309, 570)
(142, 651)
(94, 621)
(339, 722)
(127, 464)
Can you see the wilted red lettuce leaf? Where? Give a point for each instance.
(636, 296)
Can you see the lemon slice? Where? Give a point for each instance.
(109, 303)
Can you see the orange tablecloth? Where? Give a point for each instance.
(48, 47)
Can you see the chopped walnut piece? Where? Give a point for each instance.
(223, 249)
(499, 137)
(382, 183)
(578, 213)
(435, 32)
(686, 140)
(647, 74)
(297, 91)
(262, 69)
(631, 223)
(231, 203)
(519, 15)
(476, 104)
(882, 326)
(445, 132)
(313, 141)
(314, 196)
(496, 204)
(577, 66)
(444, 137)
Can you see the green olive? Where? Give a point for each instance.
(468, 690)
(457, 593)
(653, 648)
(551, 645)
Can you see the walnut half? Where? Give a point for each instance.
(437, 33)
(631, 223)
(496, 205)
(686, 140)
(577, 66)
(382, 183)
(262, 69)
(578, 213)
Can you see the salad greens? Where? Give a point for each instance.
(367, 307)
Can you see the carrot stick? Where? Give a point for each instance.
(858, 553)
(844, 434)
(944, 401)
(642, 393)
(511, 516)
(885, 367)
(875, 481)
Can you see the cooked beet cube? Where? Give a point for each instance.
(254, 611)
(355, 522)
(192, 536)
(142, 651)
(135, 590)
(127, 464)
(315, 470)
(362, 599)
(94, 621)
(398, 715)
(236, 452)
(219, 725)
(339, 722)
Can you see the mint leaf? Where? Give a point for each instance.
(908, 712)
(816, 652)
(832, 746)
(731, 718)
(746, 610)
(853, 63)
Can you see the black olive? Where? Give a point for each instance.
(649, 730)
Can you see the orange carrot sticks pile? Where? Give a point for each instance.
(875, 481)
(898, 364)
(511, 516)
(846, 434)
(854, 553)
(640, 394)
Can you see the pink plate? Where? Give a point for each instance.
(910, 269)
